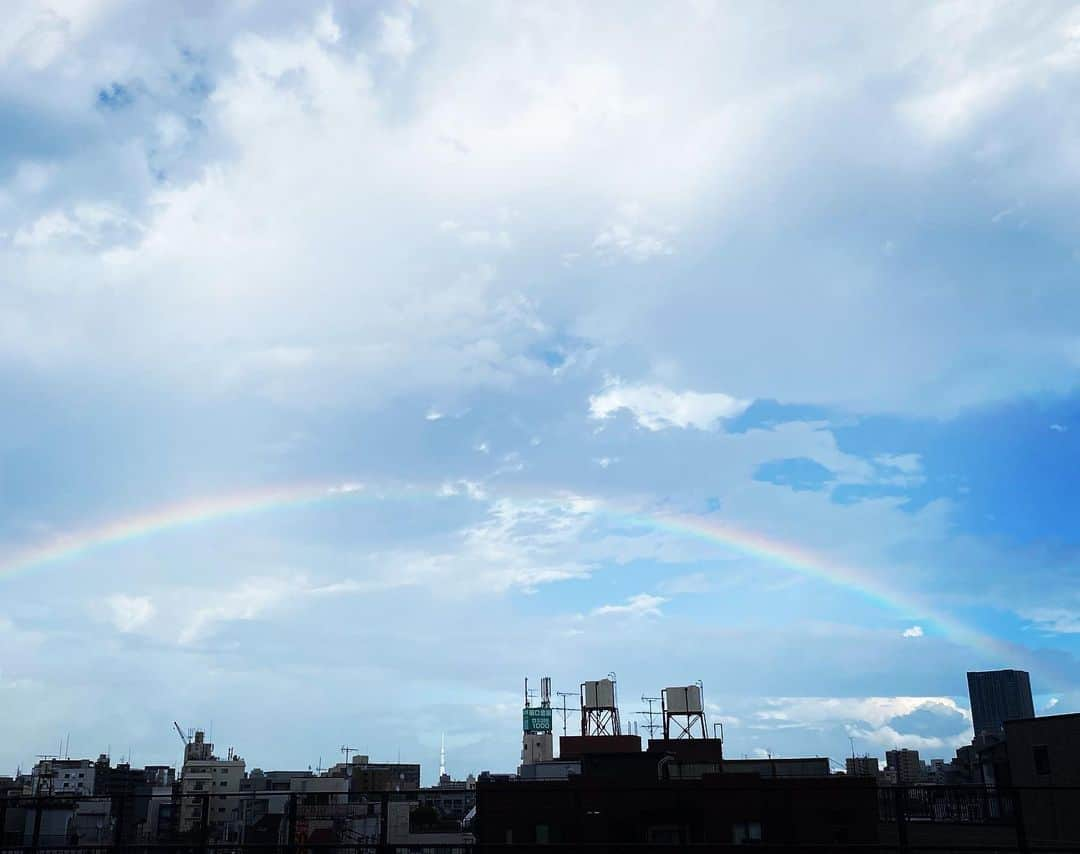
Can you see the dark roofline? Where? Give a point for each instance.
(1043, 718)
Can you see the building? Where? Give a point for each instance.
(903, 766)
(209, 787)
(936, 772)
(814, 766)
(536, 747)
(862, 766)
(998, 696)
(628, 799)
(367, 776)
(451, 799)
(1045, 751)
(63, 777)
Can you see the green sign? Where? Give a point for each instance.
(536, 719)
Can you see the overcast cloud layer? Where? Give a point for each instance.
(535, 275)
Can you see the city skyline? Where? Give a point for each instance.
(563, 718)
(358, 359)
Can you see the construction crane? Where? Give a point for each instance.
(180, 732)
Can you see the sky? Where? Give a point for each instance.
(359, 360)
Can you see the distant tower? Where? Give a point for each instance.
(599, 708)
(442, 758)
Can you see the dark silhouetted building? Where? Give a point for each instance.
(1042, 752)
(631, 798)
(997, 696)
(903, 766)
(862, 766)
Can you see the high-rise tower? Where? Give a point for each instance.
(997, 696)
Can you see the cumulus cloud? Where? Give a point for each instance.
(913, 632)
(930, 723)
(655, 407)
(396, 39)
(474, 125)
(130, 613)
(639, 605)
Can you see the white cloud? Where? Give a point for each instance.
(631, 236)
(906, 463)
(244, 232)
(130, 613)
(657, 408)
(92, 225)
(396, 39)
(1059, 428)
(640, 605)
(254, 598)
(876, 711)
(913, 632)
(326, 28)
(1061, 621)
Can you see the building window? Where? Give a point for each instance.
(665, 834)
(746, 831)
(543, 835)
(1041, 755)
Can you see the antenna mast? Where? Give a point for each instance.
(563, 711)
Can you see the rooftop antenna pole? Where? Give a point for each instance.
(442, 757)
(651, 726)
(851, 738)
(347, 751)
(564, 695)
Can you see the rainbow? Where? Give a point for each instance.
(200, 511)
(808, 563)
(184, 514)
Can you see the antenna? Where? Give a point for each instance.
(652, 726)
(347, 751)
(442, 757)
(564, 710)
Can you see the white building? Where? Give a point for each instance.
(207, 782)
(62, 777)
(536, 747)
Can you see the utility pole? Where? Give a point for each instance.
(651, 726)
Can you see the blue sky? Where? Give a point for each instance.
(808, 273)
